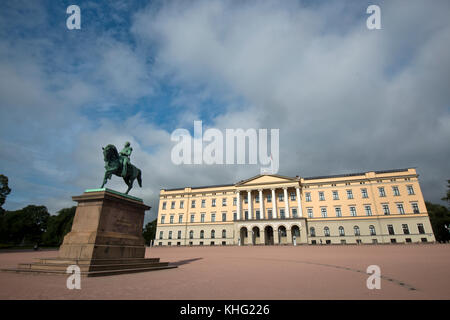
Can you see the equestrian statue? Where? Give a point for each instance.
(120, 165)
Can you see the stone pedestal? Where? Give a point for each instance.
(106, 238)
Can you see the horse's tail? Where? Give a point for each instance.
(139, 178)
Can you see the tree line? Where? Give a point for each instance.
(35, 225)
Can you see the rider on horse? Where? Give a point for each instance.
(125, 153)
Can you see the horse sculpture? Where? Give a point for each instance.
(113, 165)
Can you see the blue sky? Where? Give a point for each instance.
(345, 98)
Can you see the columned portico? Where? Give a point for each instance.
(261, 204)
(286, 203)
(299, 202)
(250, 211)
(274, 205)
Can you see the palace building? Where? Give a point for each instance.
(372, 207)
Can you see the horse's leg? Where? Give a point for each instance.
(105, 178)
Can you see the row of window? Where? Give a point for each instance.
(282, 215)
(191, 234)
(372, 232)
(224, 216)
(367, 209)
(364, 193)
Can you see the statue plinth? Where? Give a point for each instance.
(106, 238)
(107, 225)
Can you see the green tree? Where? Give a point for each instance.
(4, 190)
(447, 198)
(439, 218)
(149, 232)
(58, 226)
(26, 225)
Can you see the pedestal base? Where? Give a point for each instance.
(106, 238)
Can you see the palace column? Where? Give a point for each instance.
(299, 202)
(261, 204)
(286, 203)
(274, 205)
(249, 204)
(238, 203)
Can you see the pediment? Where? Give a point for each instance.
(266, 179)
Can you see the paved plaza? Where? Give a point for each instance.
(419, 271)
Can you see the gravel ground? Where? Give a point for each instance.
(267, 272)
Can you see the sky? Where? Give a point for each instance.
(345, 98)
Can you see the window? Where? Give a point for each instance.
(172, 206)
(364, 193)
(381, 192)
(224, 216)
(368, 210)
(191, 234)
(310, 212)
(349, 194)
(293, 196)
(326, 231)
(420, 228)
(356, 230)
(192, 218)
(281, 197)
(308, 196)
(164, 205)
(161, 234)
(415, 207)
(246, 200)
(405, 229)
(312, 232)
(162, 219)
(335, 195)
(294, 212)
(234, 201)
(181, 204)
(323, 211)
(224, 233)
(257, 214)
(390, 229)
(170, 234)
(213, 234)
(338, 212)
(202, 234)
(203, 203)
(341, 231)
(321, 196)
(180, 218)
(400, 208)
(269, 213)
(234, 216)
(193, 204)
(372, 230)
(179, 234)
(269, 198)
(224, 202)
(257, 198)
(213, 217)
(353, 211)
(213, 202)
(282, 216)
(202, 217)
(386, 209)
(410, 190)
(171, 219)
(246, 214)
(395, 191)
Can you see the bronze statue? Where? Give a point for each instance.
(120, 165)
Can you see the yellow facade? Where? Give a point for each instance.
(361, 208)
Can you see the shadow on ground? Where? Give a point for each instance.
(181, 262)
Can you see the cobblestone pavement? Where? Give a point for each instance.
(270, 272)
